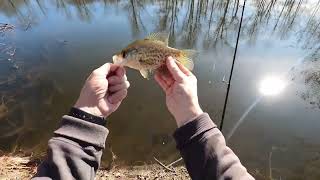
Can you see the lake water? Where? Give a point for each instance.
(53, 45)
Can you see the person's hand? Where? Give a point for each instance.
(103, 91)
(180, 87)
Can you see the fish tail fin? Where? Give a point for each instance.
(186, 58)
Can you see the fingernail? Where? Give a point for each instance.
(171, 60)
(128, 84)
(124, 78)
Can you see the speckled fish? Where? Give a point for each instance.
(147, 55)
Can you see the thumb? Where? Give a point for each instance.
(102, 70)
(174, 69)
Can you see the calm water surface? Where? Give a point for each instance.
(54, 45)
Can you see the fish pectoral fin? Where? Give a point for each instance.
(145, 73)
(159, 36)
(187, 57)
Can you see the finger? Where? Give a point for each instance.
(167, 78)
(102, 70)
(161, 82)
(115, 80)
(116, 70)
(185, 70)
(113, 67)
(175, 71)
(120, 72)
(124, 78)
(164, 73)
(118, 96)
(118, 87)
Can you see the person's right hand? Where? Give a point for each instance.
(180, 86)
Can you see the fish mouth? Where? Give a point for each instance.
(118, 60)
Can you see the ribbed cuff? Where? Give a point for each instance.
(78, 113)
(187, 132)
(82, 130)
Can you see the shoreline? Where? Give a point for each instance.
(22, 167)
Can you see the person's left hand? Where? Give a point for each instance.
(103, 91)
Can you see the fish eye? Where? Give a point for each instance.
(124, 54)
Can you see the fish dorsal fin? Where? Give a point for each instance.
(144, 73)
(159, 36)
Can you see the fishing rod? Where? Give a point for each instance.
(231, 71)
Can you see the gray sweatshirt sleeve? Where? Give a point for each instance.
(74, 152)
(205, 152)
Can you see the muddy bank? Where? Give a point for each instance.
(16, 167)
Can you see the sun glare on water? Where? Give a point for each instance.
(271, 86)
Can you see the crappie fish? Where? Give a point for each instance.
(147, 55)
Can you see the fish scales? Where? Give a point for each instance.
(149, 54)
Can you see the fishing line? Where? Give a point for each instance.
(231, 71)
